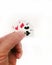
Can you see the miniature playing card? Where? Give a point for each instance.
(24, 26)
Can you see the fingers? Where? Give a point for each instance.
(15, 53)
(19, 51)
(12, 59)
(10, 40)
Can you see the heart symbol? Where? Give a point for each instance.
(16, 28)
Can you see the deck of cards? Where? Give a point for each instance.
(24, 26)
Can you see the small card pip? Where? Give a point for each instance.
(24, 26)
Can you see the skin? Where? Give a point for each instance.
(11, 48)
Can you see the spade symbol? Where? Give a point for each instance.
(26, 27)
(27, 33)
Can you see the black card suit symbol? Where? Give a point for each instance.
(27, 33)
(26, 27)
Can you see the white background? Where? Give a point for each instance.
(37, 50)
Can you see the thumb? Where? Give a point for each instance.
(10, 40)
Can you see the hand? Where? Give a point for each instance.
(10, 48)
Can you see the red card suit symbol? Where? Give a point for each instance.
(22, 25)
(16, 28)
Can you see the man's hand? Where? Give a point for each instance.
(10, 48)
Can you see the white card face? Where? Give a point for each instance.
(24, 26)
